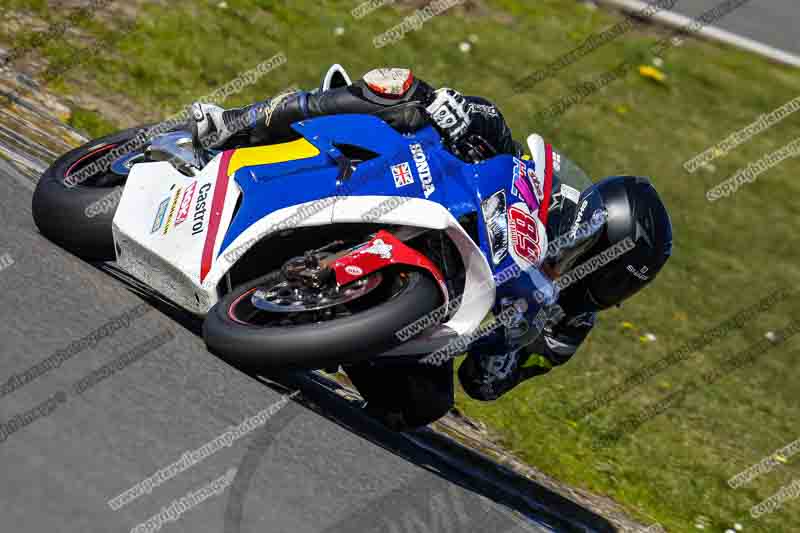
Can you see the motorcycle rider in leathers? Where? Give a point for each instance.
(474, 129)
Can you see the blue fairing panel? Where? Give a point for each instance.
(267, 188)
(456, 185)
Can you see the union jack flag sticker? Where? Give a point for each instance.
(402, 175)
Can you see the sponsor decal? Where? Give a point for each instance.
(639, 273)
(172, 208)
(162, 210)
(402, 175)
(525, 242)
(423, 169)
(578, 218)
(186, 204)
(198, 221)
(523, 186)
(526, 170)
(379, 248)
(520, 171)
(536, 183)
(353, 270)
(570, 193)
(488, 110)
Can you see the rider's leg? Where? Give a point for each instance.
(407, 396)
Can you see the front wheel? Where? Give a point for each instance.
(270, 324)
(77, 196)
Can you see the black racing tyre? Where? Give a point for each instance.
(78, 218)
(402, 297)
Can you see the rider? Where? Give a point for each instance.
(474, 129)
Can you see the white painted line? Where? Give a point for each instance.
(668, 18)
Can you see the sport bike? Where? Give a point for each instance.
(309, 253)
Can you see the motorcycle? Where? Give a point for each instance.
(309, 253)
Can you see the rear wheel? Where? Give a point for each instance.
(270, 323)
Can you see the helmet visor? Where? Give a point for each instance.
(586, 229)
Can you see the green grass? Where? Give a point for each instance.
(727, 254)
(87, 120)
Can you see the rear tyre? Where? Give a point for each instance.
(254, 341)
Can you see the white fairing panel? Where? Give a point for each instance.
(160, 230)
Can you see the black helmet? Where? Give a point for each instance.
(618, 239)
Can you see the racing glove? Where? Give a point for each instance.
(448, 112)
(216, 125)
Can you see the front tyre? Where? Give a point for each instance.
(78, 217)
(243, 333)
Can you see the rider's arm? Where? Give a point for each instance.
(494, 362)
(395, 95)
(365, 96)
(491, 369)
(559, 342)
(487, 122)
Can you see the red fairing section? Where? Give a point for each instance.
(383, 250)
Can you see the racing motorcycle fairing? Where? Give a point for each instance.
(181, 235)
(168, 228)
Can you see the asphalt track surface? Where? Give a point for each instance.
(317, 465)
(772, 22)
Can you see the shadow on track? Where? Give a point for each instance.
(525, 504)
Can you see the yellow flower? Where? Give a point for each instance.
(651, 72)
(627, 325)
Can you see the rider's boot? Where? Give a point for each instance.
(254, 122)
